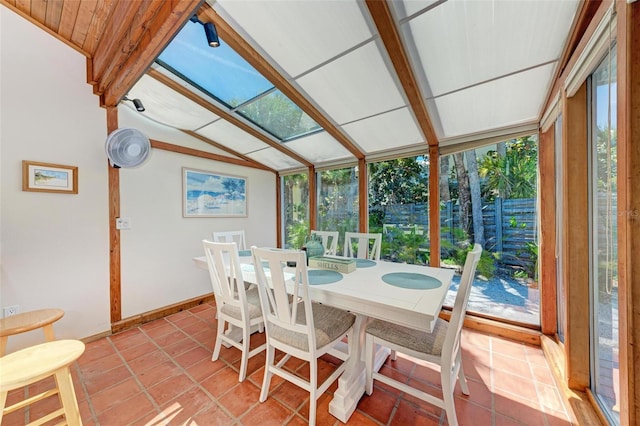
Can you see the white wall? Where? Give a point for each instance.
(157, 252)
(54, 248)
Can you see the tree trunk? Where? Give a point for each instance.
(464, 194)
(476, 197)
(445, 195)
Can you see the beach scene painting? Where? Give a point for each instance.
(46, 177)
(208, 194)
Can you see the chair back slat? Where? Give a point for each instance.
(367, 245)
(231, 237)
(329, 241)
(283, 289)
(225, 270)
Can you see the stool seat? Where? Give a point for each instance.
(27, 321)
(30, 365)
(37, 362)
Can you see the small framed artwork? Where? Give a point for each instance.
(209, 194)
(46, 177)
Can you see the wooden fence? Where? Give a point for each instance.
(509, 224)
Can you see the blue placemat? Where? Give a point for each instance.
(365, 263)
(244, 253)
(411, 280)
(323, 276)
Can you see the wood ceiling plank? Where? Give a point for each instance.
(23, 6)
(97, 25)
(39, 10)
(68, 18)
(170, 18)
(126, 26)
(53, 14)
(383, 19)
(232, 118)
(249, 54)
(85, 14)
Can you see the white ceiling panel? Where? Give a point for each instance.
(275, 159)
(395, 129)
(169, 107)
(409, 7)
(319, 147)
(231, 136)
(498, 104)
(299, 35)
(354, 86)
(461, 43)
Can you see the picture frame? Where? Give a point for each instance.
(211, 194)
(48, 177)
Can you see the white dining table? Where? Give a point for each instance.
(364, 293)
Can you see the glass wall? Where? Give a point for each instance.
(488, 196)
(604, 237)
(560, 293)
(399, 208)
(338, 201)
(295, 205)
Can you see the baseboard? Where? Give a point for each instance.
(498, 328)
(155, 314)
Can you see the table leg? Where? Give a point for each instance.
(351, 382)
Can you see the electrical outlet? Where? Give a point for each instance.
(10, 311)
(123, 223)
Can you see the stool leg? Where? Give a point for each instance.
(3, 344)
(48, 333)
(68, 397)
(3, 401)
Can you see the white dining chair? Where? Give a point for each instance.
(236, 305)
(440, 347)
(329, 241)
(367, 246)
(303, 329)
(230, 237)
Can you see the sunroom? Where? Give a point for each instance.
(436, 124)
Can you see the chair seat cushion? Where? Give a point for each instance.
(417, 340)
(253, 305)
(330, 323)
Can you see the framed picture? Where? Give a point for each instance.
(208, 194)
(46, 177)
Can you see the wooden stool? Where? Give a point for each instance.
(28, 321)
(29, 365)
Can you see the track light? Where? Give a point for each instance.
(212, 34)
(136, 103)
(209, 30)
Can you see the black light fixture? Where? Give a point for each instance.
(136, 103)
(209, 30)
(212, 34)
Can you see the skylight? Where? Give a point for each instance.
(226, 76)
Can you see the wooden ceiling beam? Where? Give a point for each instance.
(170, 17)
(249, 54)
(122, 32)
(390, 37)
(226, 115)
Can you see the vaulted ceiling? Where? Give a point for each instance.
(380, 78)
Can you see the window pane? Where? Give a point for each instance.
(399, 208)
(295, 198)
(560, 293)
(338, 202)
(604, 250)
(488, 196)
(276, 114)
(220, 71)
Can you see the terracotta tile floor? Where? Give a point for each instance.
(161, 374)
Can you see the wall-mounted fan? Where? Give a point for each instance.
(127, 148)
